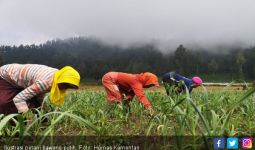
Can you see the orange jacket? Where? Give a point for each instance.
(132, 84)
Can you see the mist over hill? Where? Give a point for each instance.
(93, 58)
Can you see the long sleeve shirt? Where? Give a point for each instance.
(35, 80)
(132, 85)
(174, 77)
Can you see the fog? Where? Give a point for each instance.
(165, 23)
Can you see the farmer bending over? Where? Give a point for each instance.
(24, 86)
(118, 83)
(173, 79)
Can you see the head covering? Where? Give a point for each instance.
(149, 78)
(65, 75)
(197, 80)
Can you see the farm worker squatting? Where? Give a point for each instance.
(172, 78)
(117, 83)
(23, 86)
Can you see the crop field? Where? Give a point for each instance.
(204, 113)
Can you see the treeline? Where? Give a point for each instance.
(93, 58)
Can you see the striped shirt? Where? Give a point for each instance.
(35, 79)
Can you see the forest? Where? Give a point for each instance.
(92, 58)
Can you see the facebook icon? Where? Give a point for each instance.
(219, 143)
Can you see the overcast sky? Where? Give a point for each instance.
(165, 22)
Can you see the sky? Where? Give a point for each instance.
(166, 23)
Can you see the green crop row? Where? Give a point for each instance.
(222, 113)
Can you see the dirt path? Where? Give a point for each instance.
(161, 88)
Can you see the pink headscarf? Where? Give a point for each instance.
(197, 80)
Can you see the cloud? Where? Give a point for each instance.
(168, 22)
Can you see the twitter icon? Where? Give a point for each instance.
(232, 143)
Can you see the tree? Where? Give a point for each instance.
(198, 63)
(180, 58)
(213, 66)
(249, 67)
(240, 61)
(93, 58)
(1, 56)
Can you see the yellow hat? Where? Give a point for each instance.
(65, 75)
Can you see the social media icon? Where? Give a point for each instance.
(246, 143)
(219, 143)
(232, 143)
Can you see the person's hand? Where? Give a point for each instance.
(178, 90)
(23, 109)
(126, 102)
(30, 118)
(151, 111)
(28, 115)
